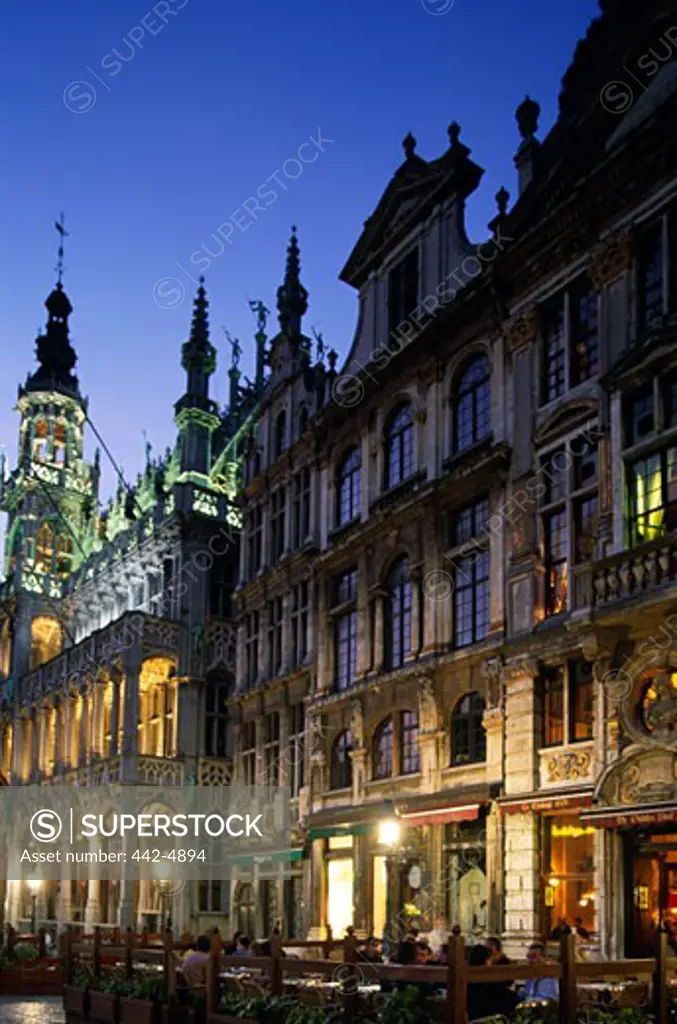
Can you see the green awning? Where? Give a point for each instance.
(275, 857)
(330, 831)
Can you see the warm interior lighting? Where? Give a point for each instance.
(553, 882)
(46, 640)
(34, 885)
(389, 833)
(572, 831)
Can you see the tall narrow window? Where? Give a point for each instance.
(349, 486)
(44, 545)
(280, 434)
(277, 524)
(382, 750)
(650, 274)
(254, 530)
(398, 624)
(472, 407)
(341, 767)
(297, 733)
(553, 707)
(299, 624)
(60, 444)
(301, 518)
(399, 439)
(252, 647)
(248, 753)
(410, 754)
(468, 738)
(216, 718)
(554, 369)
(581, 707)
(556, 565)
(584, 332)
(653, 496)
(403, 291)
(275, 620)
(271, 749)
(345, 629)
(471, 577)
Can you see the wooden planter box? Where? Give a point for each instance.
(178, 1014)
(139, 1011)
(22, 979)
(226, 1018)
(76, 1000)
(104, 1007)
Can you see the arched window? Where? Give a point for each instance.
(468, 738)
(472, 408)
(397, 625)
(341, 769)
(44, 545)
(399, 437)
(280, 434)
(349, 486)
(382, 750)
(303, 420)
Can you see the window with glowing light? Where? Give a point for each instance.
(44, 548)
(568, 872)
(157, 706)
(46, 639)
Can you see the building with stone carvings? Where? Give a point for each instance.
(456, 598)
(116, 643)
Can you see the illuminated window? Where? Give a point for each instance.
(349, 487)
(472, 405)
(340, 895)
(568, 710)
(653, 496)
(60, 443)
(568, 872)
(341, 768)
(44, 546)
(410, 754)
(399, 446)
(46, 639)
(64, 554)
(468, 738)
(5, 647)
(157, 700)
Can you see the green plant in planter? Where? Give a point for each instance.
(112, 985)
(613, 1015)
(83, 978)
(152, 989)
(403, 1006)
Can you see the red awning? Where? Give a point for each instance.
(545, 803)
(629, 817)
(441, 815)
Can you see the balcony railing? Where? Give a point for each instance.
(627, 574)
(145, 770)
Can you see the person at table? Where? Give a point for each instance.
(438, 936)
(487, 998)
(242, 946)
(194, 966)
(371, 952)
(230, 947)
(539, 988)
(581, 932)
(560, 929)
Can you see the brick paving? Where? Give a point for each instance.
(27, 1010)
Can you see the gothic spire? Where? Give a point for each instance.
(198, 355)
(55, 354)
(292, 297)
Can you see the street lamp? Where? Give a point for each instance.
(34, 888)
(389, 832)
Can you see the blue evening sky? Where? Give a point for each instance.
(156, 152)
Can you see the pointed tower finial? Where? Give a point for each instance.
(59, 225)
(198, 355)
(292, 297)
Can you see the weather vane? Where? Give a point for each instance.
(59, 225)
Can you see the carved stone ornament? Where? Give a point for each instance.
(428, 712)
(492, 671)
(523, 329)
(357, 723)
(569, 767)
(611, 259)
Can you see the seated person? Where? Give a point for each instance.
(581, 932)
(539, 988)
(497, 957)
(242, 946)
(194, 966)
(487, 998)
(372, 951)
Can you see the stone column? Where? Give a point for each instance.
(318, 890)
(115, 711)
(286, 632)
(130, 715)
(83, 730)
(417, 612)
(126, 908)
(64, 912)
(322, 632)
(523, 727)
(93, 906)
(361, 885)
(34, 768)
(284, 749)
(378, 597)
(522, 882)
(363, 617)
